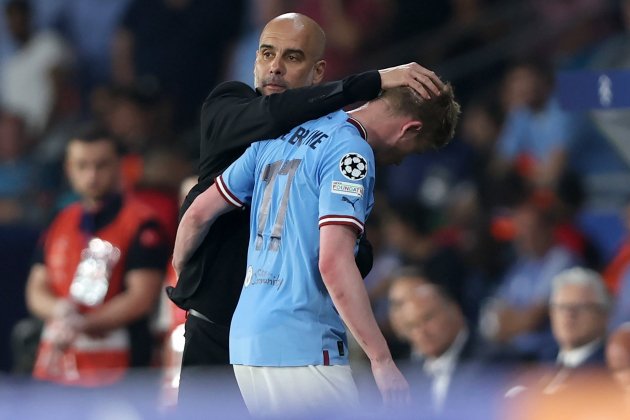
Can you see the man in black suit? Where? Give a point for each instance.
(579, 309)
(445, 365)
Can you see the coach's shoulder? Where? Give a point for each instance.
(232, 88)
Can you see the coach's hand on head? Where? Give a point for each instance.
(420, 79)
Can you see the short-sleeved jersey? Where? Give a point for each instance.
(320, 173)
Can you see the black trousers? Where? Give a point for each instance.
(207, 378)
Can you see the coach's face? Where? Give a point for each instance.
(93, 168)
(288, 56)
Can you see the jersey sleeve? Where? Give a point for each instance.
(346, 181)
(236, 184)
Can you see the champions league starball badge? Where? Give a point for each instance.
(91, 280)
(353, 166)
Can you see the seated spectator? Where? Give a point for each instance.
(579, 308)
(33, 74)
(515, 320)
(18, 173)
(410, 231)
(436, 329)
(537, 133)
(402, 284)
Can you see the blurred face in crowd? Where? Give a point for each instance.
(524, 86)
(534, 234)
(401, 290)
(430, 323)
(289, 54)
(618, 356)
(93, 169)
(577, 316)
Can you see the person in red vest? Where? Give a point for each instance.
(97, 273)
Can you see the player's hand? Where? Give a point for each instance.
(420, 79)
(391, 383)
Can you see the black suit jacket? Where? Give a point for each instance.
(233, 116)
(474, 384)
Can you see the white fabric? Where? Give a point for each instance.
(575, 357)
(294, 391)
(440, 370)
(27, 88)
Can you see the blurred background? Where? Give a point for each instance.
(533, 184)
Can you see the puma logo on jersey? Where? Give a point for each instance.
(347, 200)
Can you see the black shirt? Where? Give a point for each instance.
(233, 116)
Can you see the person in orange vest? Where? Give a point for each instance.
(97, 273)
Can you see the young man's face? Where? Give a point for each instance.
(93, 169)
(287, 58)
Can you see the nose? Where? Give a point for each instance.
(277, 66)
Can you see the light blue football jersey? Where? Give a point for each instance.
(320, 173)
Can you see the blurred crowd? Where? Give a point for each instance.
(509, 247)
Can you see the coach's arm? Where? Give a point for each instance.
(345, 285)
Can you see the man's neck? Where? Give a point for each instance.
(370, 116)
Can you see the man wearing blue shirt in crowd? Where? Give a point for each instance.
(310, 192)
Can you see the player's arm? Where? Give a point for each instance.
(236, 116)
(195, 224)
(345, 285)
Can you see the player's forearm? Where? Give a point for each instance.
(195, 224)
(190, 233)
(345, 285)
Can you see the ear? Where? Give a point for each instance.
(319, 70)
(411, 128)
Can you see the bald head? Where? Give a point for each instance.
(290, 54)
(298, 23)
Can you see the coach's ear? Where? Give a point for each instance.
(319, 70)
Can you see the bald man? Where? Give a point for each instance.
(233, 116)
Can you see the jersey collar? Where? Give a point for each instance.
(359, 127)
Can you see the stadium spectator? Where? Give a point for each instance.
(410, 230)
(447, 360)
(515, 319)
(34, 74)
(401, 286)
(167, 43)
(537, 133)
(97, 273)
(579, 308)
